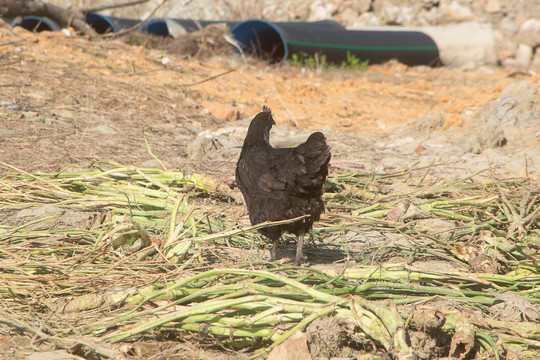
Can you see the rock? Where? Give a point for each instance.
(508, 26)
(524, 55)
(321, 11)
(505, 47)
(428, 4)
(224, 142)
(222, 112)
(361, 6)
(510, 118)
(358, 6)
(52, 355)
(516, 104)
(477, 48)
(492, 6)
(227, 114)
(294, 348)
(529, 33)
(535, 62)
(348, 16)
(454, 11)
(393, 12)
(430, 122)
(367, 19)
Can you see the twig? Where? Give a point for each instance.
(89, 9)
(139, 24)
(232, 232)
(12, 42)
(12, 85)
(293, 118)
(210, 78)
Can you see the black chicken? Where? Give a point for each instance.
(280, 184)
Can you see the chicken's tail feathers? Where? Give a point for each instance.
(266, 109)
(315, 155)
(316, 149)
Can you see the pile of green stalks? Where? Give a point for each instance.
(111, 254)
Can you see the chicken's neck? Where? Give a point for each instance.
(257, 138)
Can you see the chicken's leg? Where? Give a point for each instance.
(299, 248)
(273, 251)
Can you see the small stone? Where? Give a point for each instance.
(419, 149)
(493, 6)
(52, 355)
(321, 11)
(361, 6)
(535, 63)
(348, 16)
(294, 348)
(367, 19)
(524, 55)
(456, 12)
(529, 33)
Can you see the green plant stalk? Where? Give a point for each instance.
(369, 323)
(398, 272)
(487, 342)
(302, 324)
(388, 315)
(230, 332)
(203, 308)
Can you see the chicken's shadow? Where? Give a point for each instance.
(315, 253)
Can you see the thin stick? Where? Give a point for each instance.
(89, 9)
(293, 118)
(233, 232)
(139, 24)
(12, 41)
(210, 78)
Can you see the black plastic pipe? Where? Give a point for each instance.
(160, 26)
(8, 21)
(281, 40)
(38, 24)
(106, 24)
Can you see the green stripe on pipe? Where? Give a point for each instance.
(360, 47)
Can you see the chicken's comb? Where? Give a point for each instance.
(266, 109)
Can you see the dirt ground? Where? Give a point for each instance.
(67, 101)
